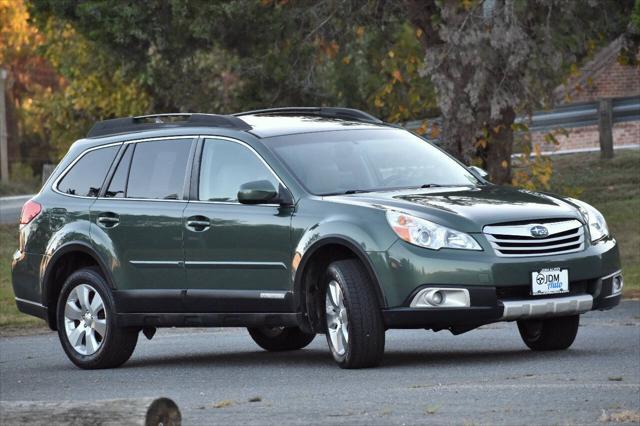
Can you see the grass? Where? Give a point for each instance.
(16, 187)
(612, 186)
(10, 317)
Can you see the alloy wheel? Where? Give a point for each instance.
(337, 319)
(85, 319)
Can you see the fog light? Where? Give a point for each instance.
(441, 298)
(617, 285)
(435, 298)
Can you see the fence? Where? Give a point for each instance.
(604, 113)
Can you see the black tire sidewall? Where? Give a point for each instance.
(287, 339)
(333, 274)
(557, 333)
(95, 280)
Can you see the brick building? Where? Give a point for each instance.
(602, 77)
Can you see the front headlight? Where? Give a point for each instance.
(427, 234)
(597, 225)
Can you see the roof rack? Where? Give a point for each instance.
(329, 112)
(159, 121)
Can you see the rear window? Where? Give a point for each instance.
(86, 176)
(158, 169)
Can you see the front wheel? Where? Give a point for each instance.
(550, 334)
(355, 330)
(87, 325)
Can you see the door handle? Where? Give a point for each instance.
(108, 220)
(198, 223)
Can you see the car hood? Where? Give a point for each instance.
(468, 209)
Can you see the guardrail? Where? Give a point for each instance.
(568, 116)
(584, 114)
(603, 113)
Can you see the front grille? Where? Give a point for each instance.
(516, 240)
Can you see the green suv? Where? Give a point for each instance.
(293, 222)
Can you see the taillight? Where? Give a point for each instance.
(30, 210)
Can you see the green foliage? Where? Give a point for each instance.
(635, 18)
(184, 49)
(92, 88)
(226, 56)
(379, 71)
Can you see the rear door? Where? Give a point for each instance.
(237, 256)
(137, 222)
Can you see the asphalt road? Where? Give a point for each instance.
(486, 376)
(10, 208)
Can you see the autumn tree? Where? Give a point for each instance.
(492, 60)
(206, 55)
(91, 88)
(28, 74)
(224, 56)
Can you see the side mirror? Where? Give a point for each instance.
(258, 192)
(478, 171)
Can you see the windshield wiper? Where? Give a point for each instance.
(347, 192)
(437, 185)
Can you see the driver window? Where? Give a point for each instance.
(225, 166)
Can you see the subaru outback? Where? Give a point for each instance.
(293, 222)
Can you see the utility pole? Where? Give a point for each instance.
(4, 160)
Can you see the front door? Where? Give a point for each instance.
(138, 220)
(237, 256)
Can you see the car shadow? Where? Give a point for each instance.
(321, 358)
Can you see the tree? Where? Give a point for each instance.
(204, 55)
(494, 59)
(91, 88)
(28, 73)
(223, 56)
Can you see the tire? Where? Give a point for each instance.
(277, 339)
(550, 334)
(98, 342)
(351, 299)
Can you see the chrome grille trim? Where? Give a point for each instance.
(566, 236)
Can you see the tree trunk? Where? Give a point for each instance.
(144, 412)
(500, 148)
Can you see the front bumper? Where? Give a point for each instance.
(486, 306)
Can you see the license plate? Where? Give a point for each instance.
(550, 281)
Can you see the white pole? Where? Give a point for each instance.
(4, 160)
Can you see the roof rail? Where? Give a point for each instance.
(329, 112)
(159, 121)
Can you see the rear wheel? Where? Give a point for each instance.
(355, 330)
(280, 338)
(549, 334)
(86, 323)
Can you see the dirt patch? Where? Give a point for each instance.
(24, 331)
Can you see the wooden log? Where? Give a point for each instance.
(143, 412)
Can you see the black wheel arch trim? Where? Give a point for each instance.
(67, 248)
(349, 244)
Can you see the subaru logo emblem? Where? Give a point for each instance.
(539, 231)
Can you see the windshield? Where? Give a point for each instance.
(329, 163)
